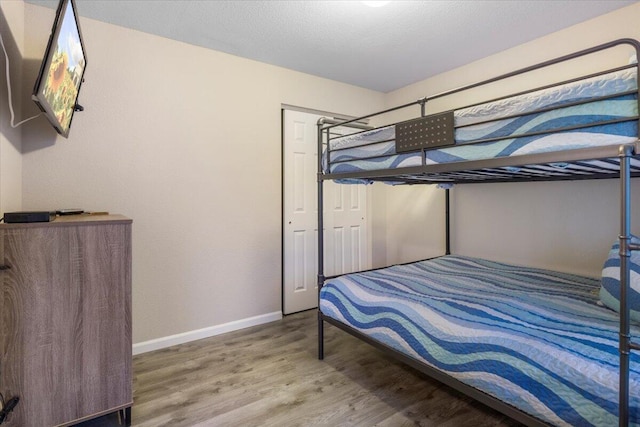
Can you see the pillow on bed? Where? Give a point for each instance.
(610, 289)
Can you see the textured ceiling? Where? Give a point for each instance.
(378, 48)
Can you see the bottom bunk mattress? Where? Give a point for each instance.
(536, 339)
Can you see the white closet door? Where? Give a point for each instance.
(347, 245)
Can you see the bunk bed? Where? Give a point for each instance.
(543, 347)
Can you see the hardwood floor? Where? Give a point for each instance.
(269, 375)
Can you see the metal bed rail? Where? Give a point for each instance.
(567, 156)
(585, 52)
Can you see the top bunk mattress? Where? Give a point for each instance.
(536, 339)
(523, 124)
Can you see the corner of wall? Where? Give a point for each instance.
(12, 20)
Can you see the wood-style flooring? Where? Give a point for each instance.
(269, 375)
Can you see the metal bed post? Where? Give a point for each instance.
(320, 241)
(423, 105)
(625, 276)
(447, 222)
(325, 125)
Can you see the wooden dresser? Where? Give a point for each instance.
(65, 319)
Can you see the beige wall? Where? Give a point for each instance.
(566, 226)
(12, 31)
(186, 141)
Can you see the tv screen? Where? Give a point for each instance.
(58, 84)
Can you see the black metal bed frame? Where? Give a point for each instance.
(619, 156)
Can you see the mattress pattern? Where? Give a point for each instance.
(375, 149)
(533, 338)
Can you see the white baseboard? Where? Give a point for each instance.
(158, 343)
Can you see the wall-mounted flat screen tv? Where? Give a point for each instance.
(58, 84)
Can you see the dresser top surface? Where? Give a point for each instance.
(72, 220)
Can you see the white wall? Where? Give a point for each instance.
(12, 31)
(186, 141)
(567, 226)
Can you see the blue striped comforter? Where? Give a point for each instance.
(533, 338)
(354, 153)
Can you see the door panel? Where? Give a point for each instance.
(346, 241)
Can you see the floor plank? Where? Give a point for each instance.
(269, 375)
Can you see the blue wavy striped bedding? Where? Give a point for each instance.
(536, 339)
(352, 153)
